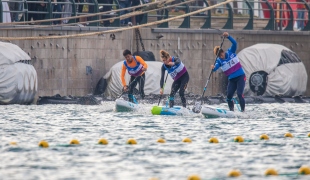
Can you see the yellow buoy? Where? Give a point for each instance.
(103, 141)
(187, 140)
(264, 137)
(288, 135)
(271, 172)
(238, 139)
(131, 141)
(74, 141)
(161, 140)
(13, 143)
(309, 135)
(193, 177)
(234, 173)
(43, 144)
(213, 140)
(305, 170)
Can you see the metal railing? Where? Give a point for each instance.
(277, 14)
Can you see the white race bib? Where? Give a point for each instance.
(231, 63)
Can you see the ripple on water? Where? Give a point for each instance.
(58, 124)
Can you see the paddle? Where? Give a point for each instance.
(128, 86)
(163, 89)
(197, 107)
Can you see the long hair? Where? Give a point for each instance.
(216, 50)
(164, 54)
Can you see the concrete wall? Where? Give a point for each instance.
(196, 50)
(61, 63)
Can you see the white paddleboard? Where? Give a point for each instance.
(124, 106)
(211, 112)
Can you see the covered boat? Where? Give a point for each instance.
(18, 78)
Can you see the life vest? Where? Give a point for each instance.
(134, 71)
(231, 65)
(176, 71)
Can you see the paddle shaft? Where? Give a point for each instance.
(217, 55)
(163, 89)
(128, 86)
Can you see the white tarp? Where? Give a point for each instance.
(152, 80)
(287, 75)
(11, 53)
(18, 81)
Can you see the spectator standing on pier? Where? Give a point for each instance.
(15, 6)
(124, 4)
(56, 8)
(6, 17)
(67, 11)
(79, 8)
(300, 15)
(136, 19)
(105, 9)
(40, 7)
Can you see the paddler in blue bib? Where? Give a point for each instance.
(178, 73)
(231, 66)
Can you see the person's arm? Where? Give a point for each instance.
(217, 65)
(177, 60)
(141, 61)
(123, 75)
(234, 45)
(162, 76)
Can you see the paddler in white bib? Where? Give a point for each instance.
(178, 73)
(231, 66)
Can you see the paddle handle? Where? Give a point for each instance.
(163, 89)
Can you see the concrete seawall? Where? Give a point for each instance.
(61, 63)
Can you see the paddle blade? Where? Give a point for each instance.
(197, 107)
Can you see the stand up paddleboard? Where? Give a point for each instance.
(211, 112)
(125, 106)
(175, 110)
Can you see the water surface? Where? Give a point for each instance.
(58, 124)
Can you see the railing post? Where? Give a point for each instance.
(96, 10)
(251, 19)
(230, 21)
(1, 12)
(116, 22)
(270, 25)
(166, 16)
(187, 20)
(307, 27)
(25, 11)
(49, 14)
(207, 23)
(73, 13)
(290, 24)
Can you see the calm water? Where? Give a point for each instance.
(58, 124)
